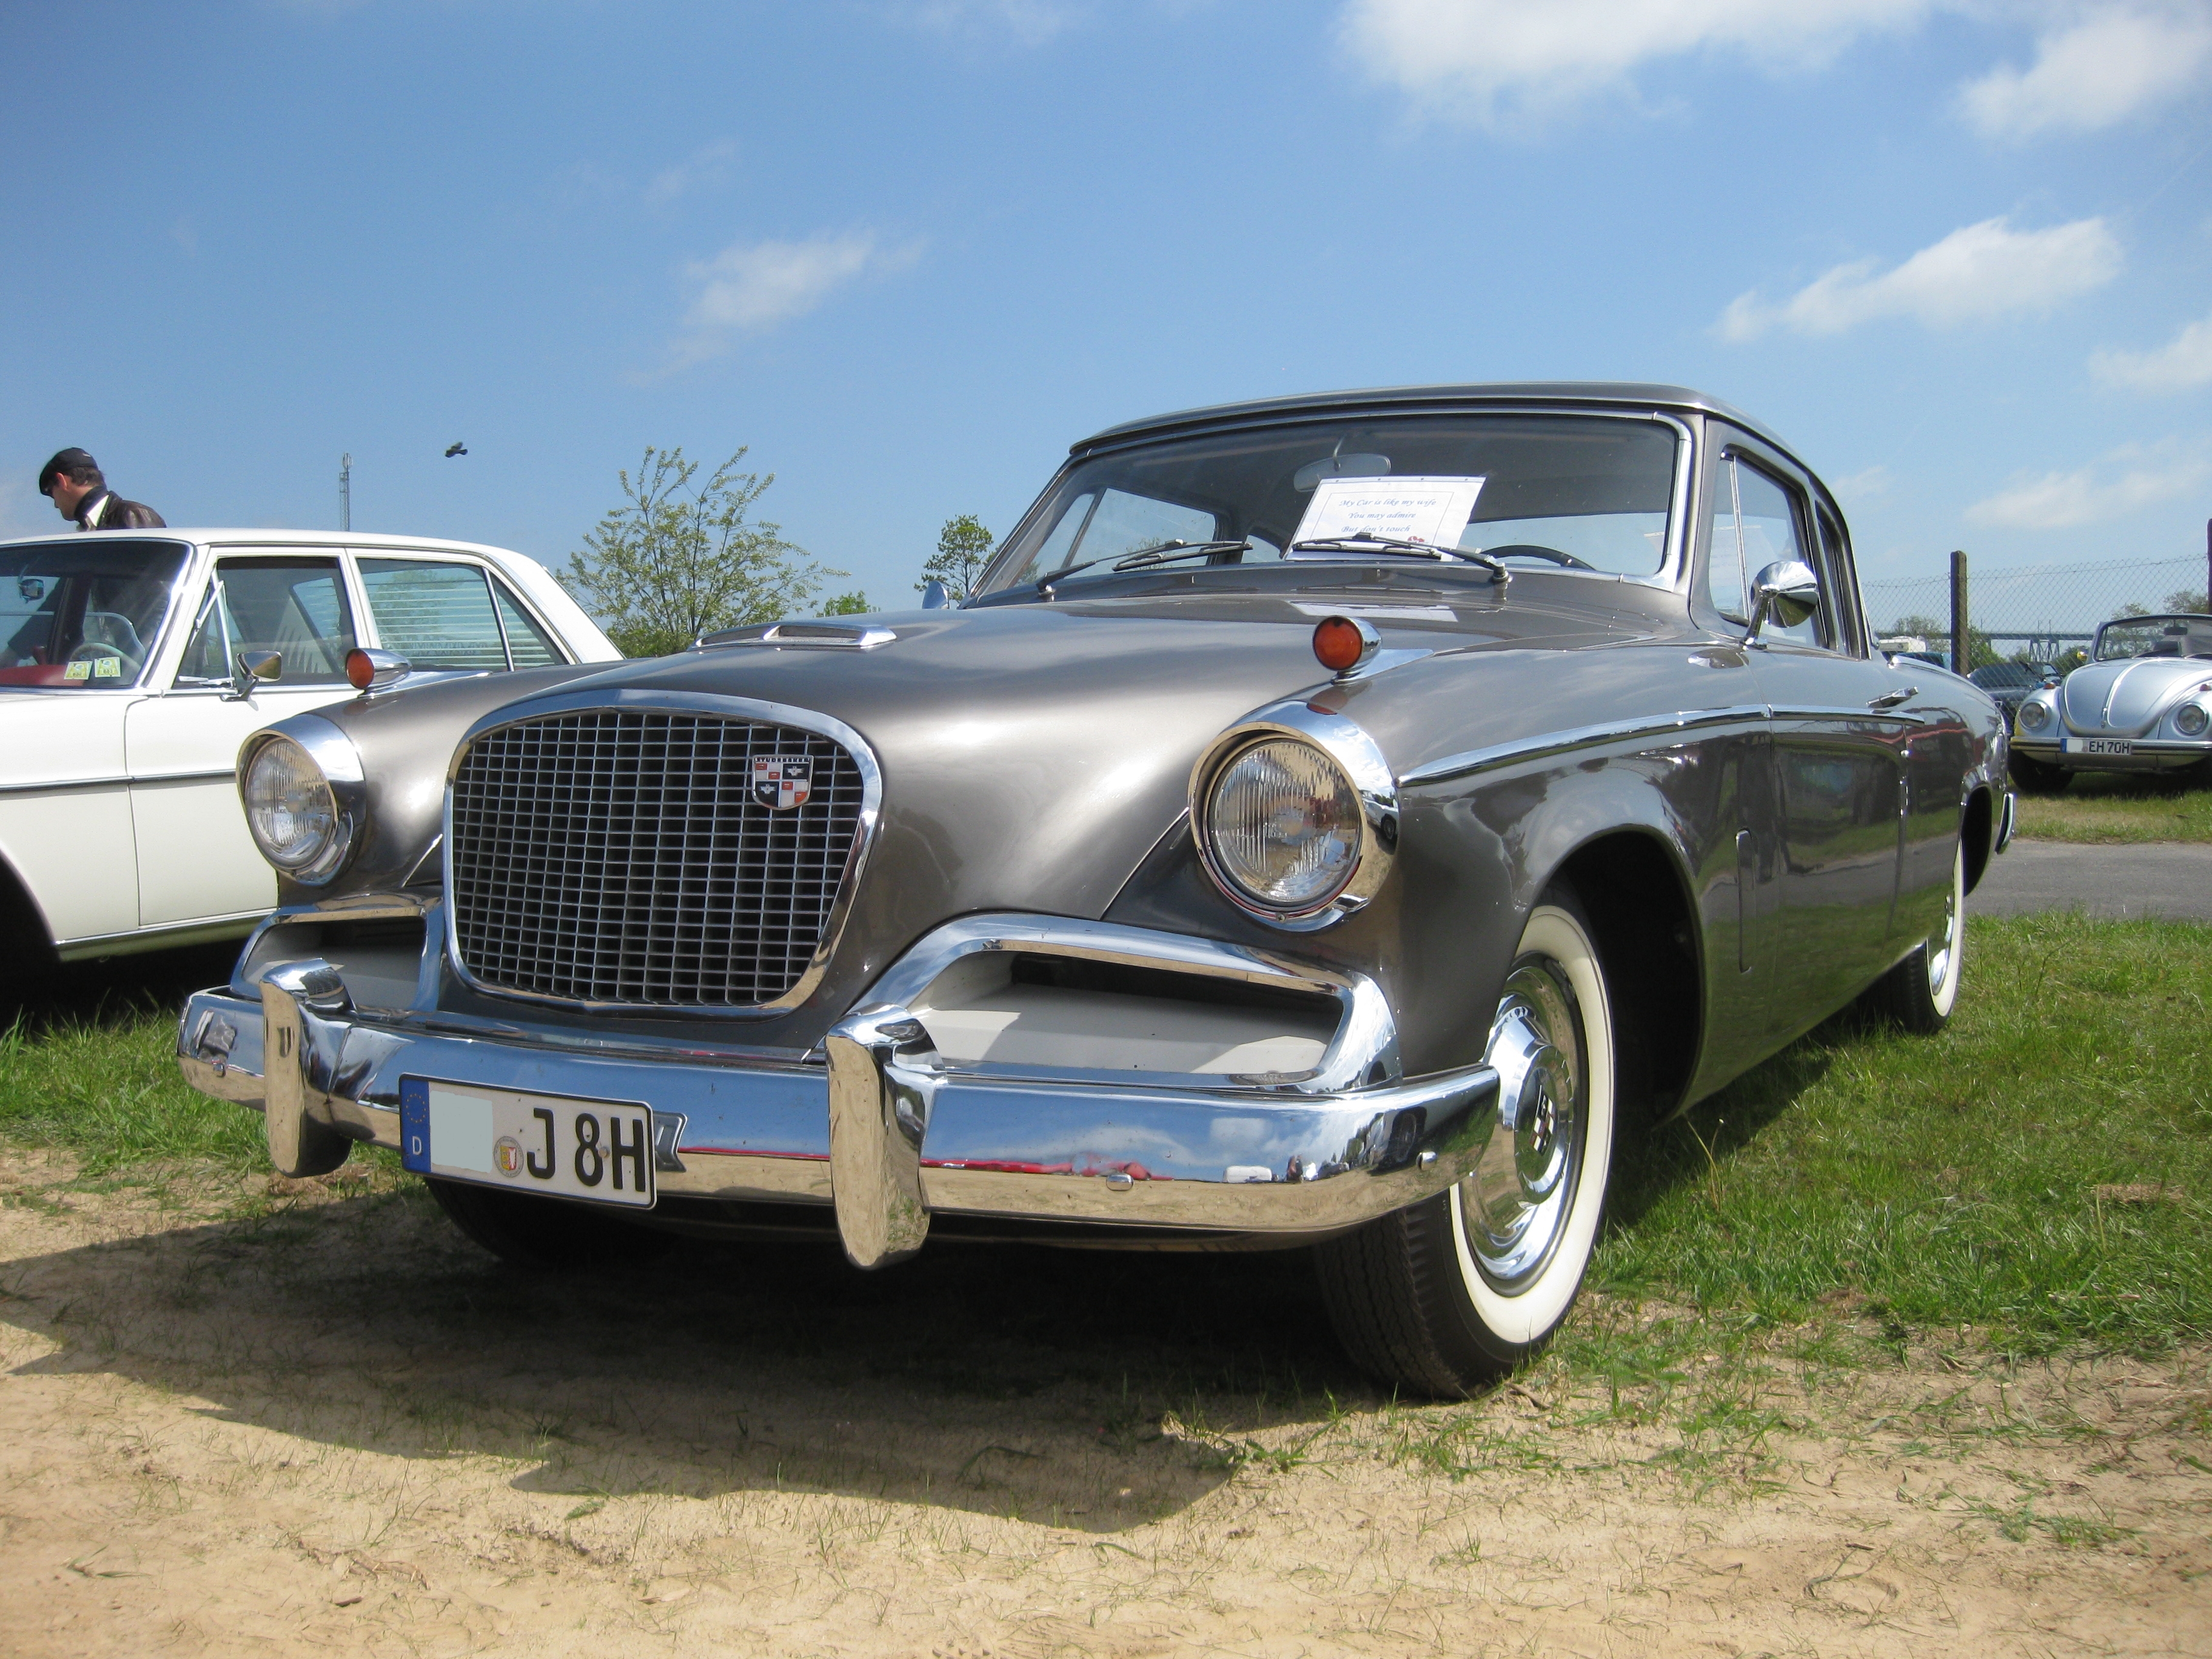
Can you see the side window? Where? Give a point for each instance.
(529, 645)
(1839, 581)
(1755, 522)
(435, 615)
(293, 606)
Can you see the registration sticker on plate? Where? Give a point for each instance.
(600, 1150)
(2099, 746)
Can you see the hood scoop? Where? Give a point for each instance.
(806, 635)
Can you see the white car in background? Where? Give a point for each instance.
(123, 705)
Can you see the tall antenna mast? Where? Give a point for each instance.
(345, 492)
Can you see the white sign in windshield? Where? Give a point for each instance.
(1434, 511)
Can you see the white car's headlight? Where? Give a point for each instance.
(1283, 826)
(2034, 715)
(2191, 719)
(294, 812)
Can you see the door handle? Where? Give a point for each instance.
(1889, 699)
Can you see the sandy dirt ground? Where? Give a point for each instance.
(323, 1422)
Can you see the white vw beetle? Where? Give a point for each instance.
(2142, 703)
(123, 704)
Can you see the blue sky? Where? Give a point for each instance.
(1959, 252)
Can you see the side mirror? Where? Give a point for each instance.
(253, 668)
(1787, 591)
(933, 595)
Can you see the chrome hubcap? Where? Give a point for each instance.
(1515, 1203)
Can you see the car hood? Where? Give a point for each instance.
(2125, 699)
(1032, 756)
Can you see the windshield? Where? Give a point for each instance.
(1558, 491)
(2154, 636)
(82, 614)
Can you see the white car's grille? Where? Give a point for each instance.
(628, 857)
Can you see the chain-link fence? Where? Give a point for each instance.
(2043, 613)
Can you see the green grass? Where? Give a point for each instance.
(2113, 808)
(1954, 1182)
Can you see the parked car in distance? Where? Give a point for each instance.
(2009, 683)
(122, 704)
(2142, 703)
(1340, 822)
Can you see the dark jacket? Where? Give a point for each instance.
(109, 511)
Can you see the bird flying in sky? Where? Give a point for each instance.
(453, 450)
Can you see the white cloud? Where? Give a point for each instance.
(705, 167)
(1977, 274)
(2115, 484)
(2119, 62)
(2181, 364)
(1863, 486)
(751, 286)
(1485, 59)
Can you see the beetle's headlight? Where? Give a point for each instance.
(293, 811)
(2191, 719)
(2034, 715)
(1283, 826)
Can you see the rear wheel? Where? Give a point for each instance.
(1458, 1290)
(545, 1234)
(1920, 991)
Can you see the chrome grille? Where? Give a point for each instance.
(618, 855)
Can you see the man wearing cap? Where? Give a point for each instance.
(78, 489)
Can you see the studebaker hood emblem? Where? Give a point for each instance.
(782, 782)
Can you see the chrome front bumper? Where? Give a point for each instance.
(2148, 754)
(882, 1128)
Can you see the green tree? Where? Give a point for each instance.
(854, 603)
(2193, 599)
(963, 548)
(675, 561)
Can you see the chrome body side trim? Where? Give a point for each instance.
(713, 706)
(119, 781)
(1347, 743)
(167, 936)
(1588, 737)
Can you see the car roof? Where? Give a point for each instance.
(249, 536)
(1406, 399)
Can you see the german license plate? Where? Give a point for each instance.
(600, 1150)
(2099, 746)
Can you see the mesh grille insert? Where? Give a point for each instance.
(617, 855)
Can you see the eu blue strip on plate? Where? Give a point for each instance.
(415, 1124)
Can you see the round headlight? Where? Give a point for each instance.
(291, 810)
(1284, 826)
(2192, 720)
(2033, 716)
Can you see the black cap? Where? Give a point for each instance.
(74, 462)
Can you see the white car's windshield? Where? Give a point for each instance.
(82, 615)
(2154, 636)
(1561, 491)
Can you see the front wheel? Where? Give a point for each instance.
(2037, 777)
(1455, 1292)
(1920, 991)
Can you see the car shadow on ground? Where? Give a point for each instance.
(114, 990)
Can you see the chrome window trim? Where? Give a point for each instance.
(1347, 743)
(1589, 737)
(713, 706)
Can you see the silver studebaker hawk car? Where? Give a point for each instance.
(1340, 822)
(2142, 703)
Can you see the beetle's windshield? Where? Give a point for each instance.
(2154, 636)
(82, 615)
(1557, 491)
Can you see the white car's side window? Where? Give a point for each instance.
(295, 606)
(442, 614)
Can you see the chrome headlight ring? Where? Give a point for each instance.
(2034, 714)
(1349, 749)
(2192, 719)
(332, 753)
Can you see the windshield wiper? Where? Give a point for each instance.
(1364, 541)
(1145, 555)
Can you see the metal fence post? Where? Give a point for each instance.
(1960, 647)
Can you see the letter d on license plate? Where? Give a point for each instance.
(600, 1150)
